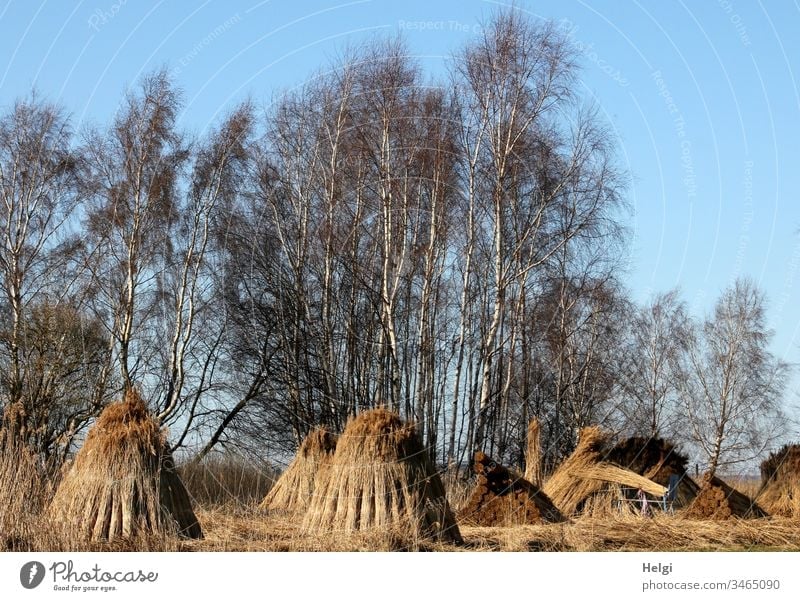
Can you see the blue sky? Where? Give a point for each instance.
(704, 98)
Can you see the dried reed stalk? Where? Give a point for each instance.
(533, 454)
(658, 460)
(608, 472)
(23, 487)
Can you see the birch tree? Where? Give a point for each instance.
(650, 370)
(136, 166)
(732, 385)
(39, 193)
(544, 178)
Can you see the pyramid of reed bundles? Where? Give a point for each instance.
(718, 501)
(123, 482)
(586, 483)
(292, 491)
(503, 498)
(381, 479)
(656, 460)
(780, 482)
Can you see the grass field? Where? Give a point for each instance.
(234, 528)
(231, 525)
(227, 530)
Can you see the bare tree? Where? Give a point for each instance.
(38, 195)
(220, 163)
(649, 369)
(390, 245)
(135, 170)
(387, 86)
(154, 251)
(545, 177)
(732, 384)
(64, 353)
(581, 317)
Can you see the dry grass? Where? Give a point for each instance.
(236, 529)
(662, 533)
(229, 531)
(747, 485)
(123, 483)
(458, 489)
(24, 490)
(380, 479)
(222, 480)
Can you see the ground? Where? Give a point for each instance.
(234, 530)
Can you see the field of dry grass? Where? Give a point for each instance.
(231, 530)
(233, 526)
(238, 529)
(226, 497)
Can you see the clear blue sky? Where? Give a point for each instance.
(704, 98)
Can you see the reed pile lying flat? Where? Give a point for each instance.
(503, 498)
(657, 460)
(293, 490)
(584, 480)
(381, 479)
(780, 482)
(123, 482)
(718, 501)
